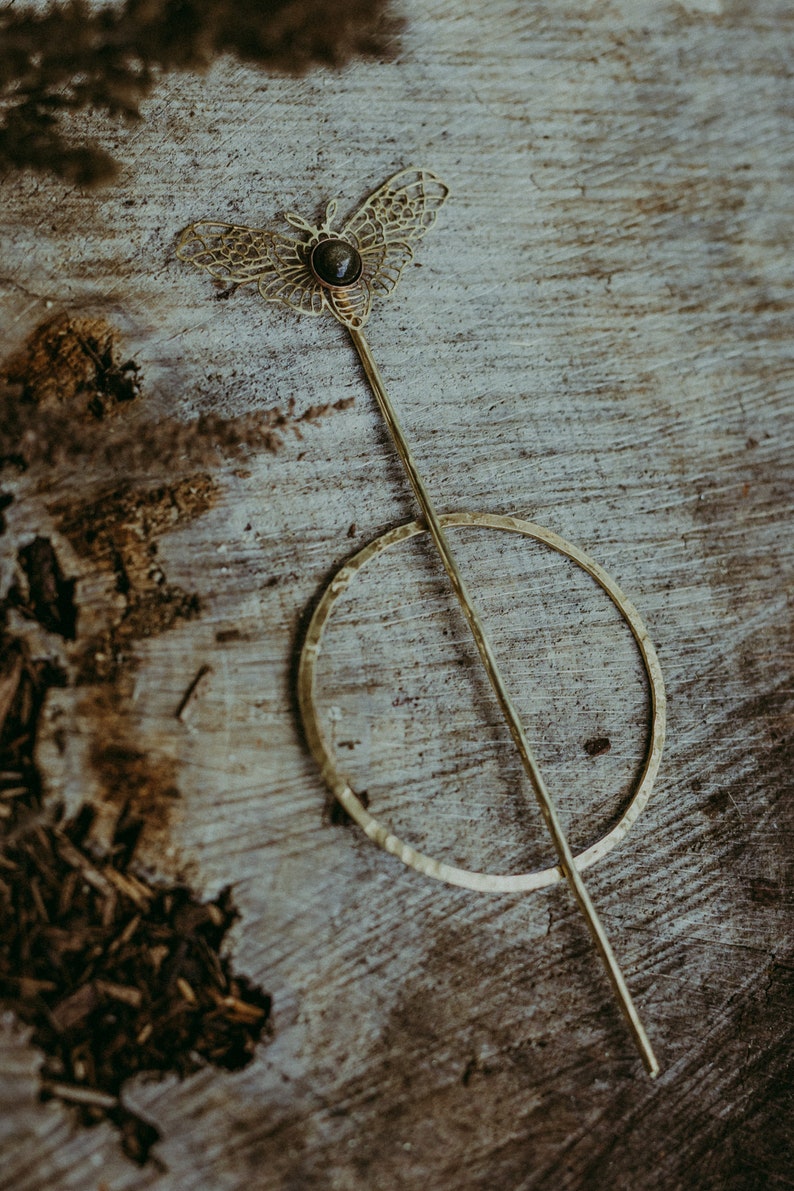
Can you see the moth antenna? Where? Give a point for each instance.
(330, 212)
(298, 222)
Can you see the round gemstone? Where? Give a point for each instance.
(335, 262)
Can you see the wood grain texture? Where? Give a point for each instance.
(597, 337)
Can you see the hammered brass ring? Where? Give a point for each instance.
(343, 791)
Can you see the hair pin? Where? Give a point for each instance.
(342, 272)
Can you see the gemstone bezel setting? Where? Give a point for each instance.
(336, 263)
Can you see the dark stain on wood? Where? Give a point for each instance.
(717, 804)
(766, 892)
(59, 390)
(315, 412)
(67, 400)
(6, 500)
(76, 361)
(596, 746)
(117, 533)
(225, 636)
(142, 785)
(45, 594)
(65, 59)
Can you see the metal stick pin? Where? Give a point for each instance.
(340, 271)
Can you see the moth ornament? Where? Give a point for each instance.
(337, 270)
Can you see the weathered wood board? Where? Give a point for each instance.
(597, 336)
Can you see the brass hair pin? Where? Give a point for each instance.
(342, 271)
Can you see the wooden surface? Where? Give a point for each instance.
(597, 336)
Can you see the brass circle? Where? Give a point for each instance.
(341, 788)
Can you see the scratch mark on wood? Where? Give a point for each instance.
(185, 702)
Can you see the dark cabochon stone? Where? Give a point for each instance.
(335, 262)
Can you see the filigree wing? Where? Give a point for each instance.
(242, 255)
(384, 263)
(293, 282)
(401, 210)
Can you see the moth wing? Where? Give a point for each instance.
(291, 280)
(241, 255)
(401, 210)
(384, 263)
